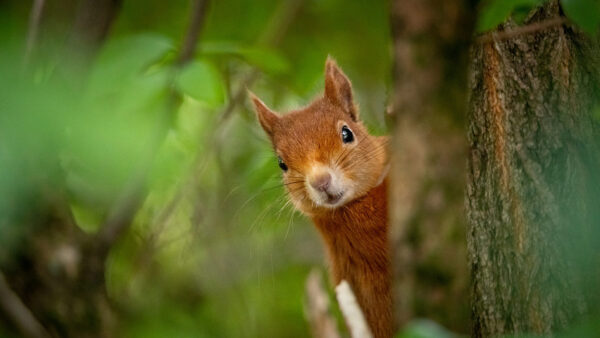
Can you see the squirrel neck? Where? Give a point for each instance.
(356, 237)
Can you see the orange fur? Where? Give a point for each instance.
(351, 212)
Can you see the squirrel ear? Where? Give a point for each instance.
(338, 88)
(266, 116)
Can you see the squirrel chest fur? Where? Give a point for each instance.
(335, 173)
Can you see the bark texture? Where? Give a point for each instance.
(431, 40)
(532, 190)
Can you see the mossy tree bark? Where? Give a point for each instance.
(532, 185)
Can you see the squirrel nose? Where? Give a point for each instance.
(321, 181)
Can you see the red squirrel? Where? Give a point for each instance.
(336, 173)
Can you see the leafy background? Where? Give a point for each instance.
(215, 250)
(584, 13)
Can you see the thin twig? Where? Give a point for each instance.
(21, 316)
(522, 30)
(34, 28)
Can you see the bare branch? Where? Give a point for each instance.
(199, 8)
(14, 308)
(352, 312)
(523, 30)
(34, 27)
(316, 308)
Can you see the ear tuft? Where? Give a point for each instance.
(338, 88)
(266, 116)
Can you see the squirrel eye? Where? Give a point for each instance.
(347, 135)
(281, 164)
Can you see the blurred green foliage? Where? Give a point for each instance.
(215, 250)
(495, 12)
(423, 328)
(584, 13)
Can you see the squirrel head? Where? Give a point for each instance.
(327, 157)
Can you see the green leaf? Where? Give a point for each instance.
(220, 47)
(267, 59)
(520, 14)
(424, 328)
(139, 49)
(126, 57)
(584, 13)
(87, 219)
(496, 12)
(202, 81)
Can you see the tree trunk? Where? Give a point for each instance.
(428, 232)
(532, 185)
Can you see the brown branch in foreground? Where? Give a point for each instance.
(316, 308)
(34, 28)
(121, 216)
(523, 30)
(14, 308)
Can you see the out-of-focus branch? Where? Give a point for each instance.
(429, 82)
(238, 95)
(199, 8)
(276, 30)
(92, 24)
(316, 308)
(34, 27)
(280, 23)
(351, 311)
(14, 308)
(272, 36)
(121, 216)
